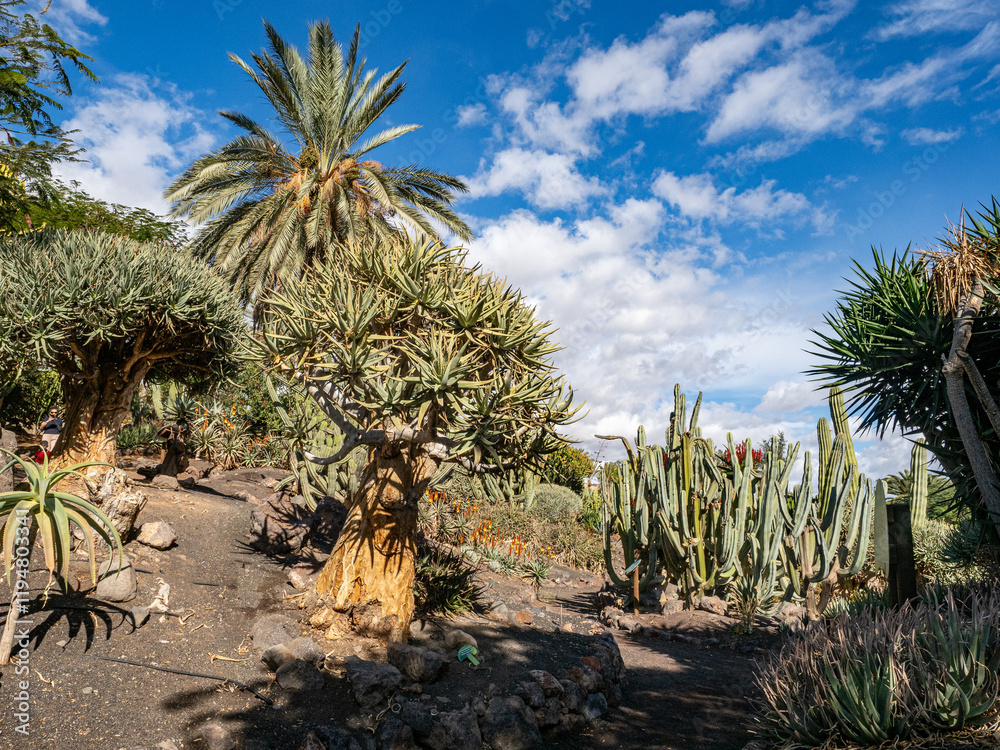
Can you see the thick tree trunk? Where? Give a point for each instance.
(94, 418)
(953, 370)
(370, 573)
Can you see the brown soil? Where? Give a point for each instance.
(688, 693)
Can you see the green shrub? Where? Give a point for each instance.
(444, 584)
(930, 540)
(35, 392)
(568, 467)
(135, 436)
(554, 502)
(591, 513)
(882, 674)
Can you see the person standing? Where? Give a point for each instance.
(51, 429)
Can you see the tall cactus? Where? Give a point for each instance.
(918, 483)
(627, 514)
(713, 528)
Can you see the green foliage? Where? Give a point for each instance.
(569, 467)
(78, 301)
(32, 77)
(269, 213)
(31, 396)
(402, 341)
(940, 494)
(884, 344)
(881, 674)
(536, 571)
(444, 584)
(555, 502)
(590, 513)
(306, 431)
(71, 208)
(97, 307)
(136, 436)
(52, 511)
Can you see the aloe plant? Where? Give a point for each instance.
(49, 513)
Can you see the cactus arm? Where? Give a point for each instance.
(694, 415)
(881, 535)
(865, 527)
(862, 504)
(825, 452)
(625, 442)
(838, 415)
(918, 482)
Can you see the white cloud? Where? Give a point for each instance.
(471, 114)
(137, 138)
(697, 197)
(636, 314)
(927, 136)
(70, 18)
(916, 17)
(547, 180)
(801, 97)
(790, 396)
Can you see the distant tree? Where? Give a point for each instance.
(569, 467)
(272, 210)
(72, 208)
(423, 361)
(106, 312)
(32, 77)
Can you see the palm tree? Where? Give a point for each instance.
(269, 213)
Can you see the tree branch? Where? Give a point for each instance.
(981, 389)
(954, 371)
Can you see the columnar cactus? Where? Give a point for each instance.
(676, 508)
(918, 482)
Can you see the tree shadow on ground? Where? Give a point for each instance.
(676, 694)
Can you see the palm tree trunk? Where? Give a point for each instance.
(371, 571)
(954, 372)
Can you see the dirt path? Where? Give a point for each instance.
(678, 695)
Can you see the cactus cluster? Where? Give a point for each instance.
(710, 524)
(307, 431)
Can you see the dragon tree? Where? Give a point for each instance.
(423, 361)
(106, 312)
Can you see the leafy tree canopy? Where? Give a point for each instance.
(72, 208)
(568, 467)
(424, 361)
(33, 60)
(105, 312)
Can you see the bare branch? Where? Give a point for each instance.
(344, 452)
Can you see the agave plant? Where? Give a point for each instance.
(231, 449)
(203, 440)
(536, 571)
(49, 513)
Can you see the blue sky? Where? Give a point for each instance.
(679, 187)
